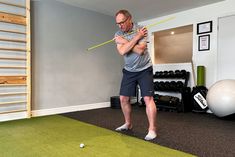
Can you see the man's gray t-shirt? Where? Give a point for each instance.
(133, 61)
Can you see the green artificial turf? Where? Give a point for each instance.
(58, 136)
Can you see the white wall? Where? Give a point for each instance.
(226, 48)
(194, 16)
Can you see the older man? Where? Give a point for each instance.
(131, 44)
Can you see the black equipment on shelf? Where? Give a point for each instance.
(172, 81)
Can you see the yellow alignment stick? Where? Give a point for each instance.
(148, 26)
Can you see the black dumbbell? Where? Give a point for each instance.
(177, 73)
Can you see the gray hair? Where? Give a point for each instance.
(124, 12)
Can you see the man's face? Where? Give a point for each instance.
(124, 23)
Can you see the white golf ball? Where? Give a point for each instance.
(82, 145)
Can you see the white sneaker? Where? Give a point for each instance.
(123, 128)
(150, 136)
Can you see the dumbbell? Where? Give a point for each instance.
(171, 74)
(183, 73)
(173, 86)
(165, 74)
(179, 85)
(161, 85)
(157, 74)
(167, 86)
(177, 73)
(156, 85)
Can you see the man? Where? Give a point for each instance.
(131, 43)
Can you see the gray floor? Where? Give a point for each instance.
(203, 135)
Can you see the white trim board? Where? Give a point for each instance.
(13, 116)
(60, 110)
(52, 111)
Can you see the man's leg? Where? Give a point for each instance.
(147, 91)
(126, 110)
(151, 112)
(128, 89)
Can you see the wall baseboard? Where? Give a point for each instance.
(60, 110)
(13, 116)
(53, 111)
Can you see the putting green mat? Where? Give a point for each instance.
(58, 136)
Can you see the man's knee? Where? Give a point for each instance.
(124, 99)
(148, 99)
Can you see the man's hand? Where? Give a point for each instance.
(140, 47)
(142, 32)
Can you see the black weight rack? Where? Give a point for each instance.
(172, 81)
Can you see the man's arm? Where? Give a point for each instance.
(124, 46)
(140, 48)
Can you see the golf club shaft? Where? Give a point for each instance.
(148, 26)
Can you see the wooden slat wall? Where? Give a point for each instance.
(12, 79)
(15, 57)
(10, 18)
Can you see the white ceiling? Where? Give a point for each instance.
(140, 9)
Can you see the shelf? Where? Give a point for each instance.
(167, 107)
(174, 82)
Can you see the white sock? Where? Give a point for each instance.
(123, 127)
(151, 135)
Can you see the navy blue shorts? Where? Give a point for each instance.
(131, 79)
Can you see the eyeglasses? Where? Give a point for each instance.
(121, 23)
